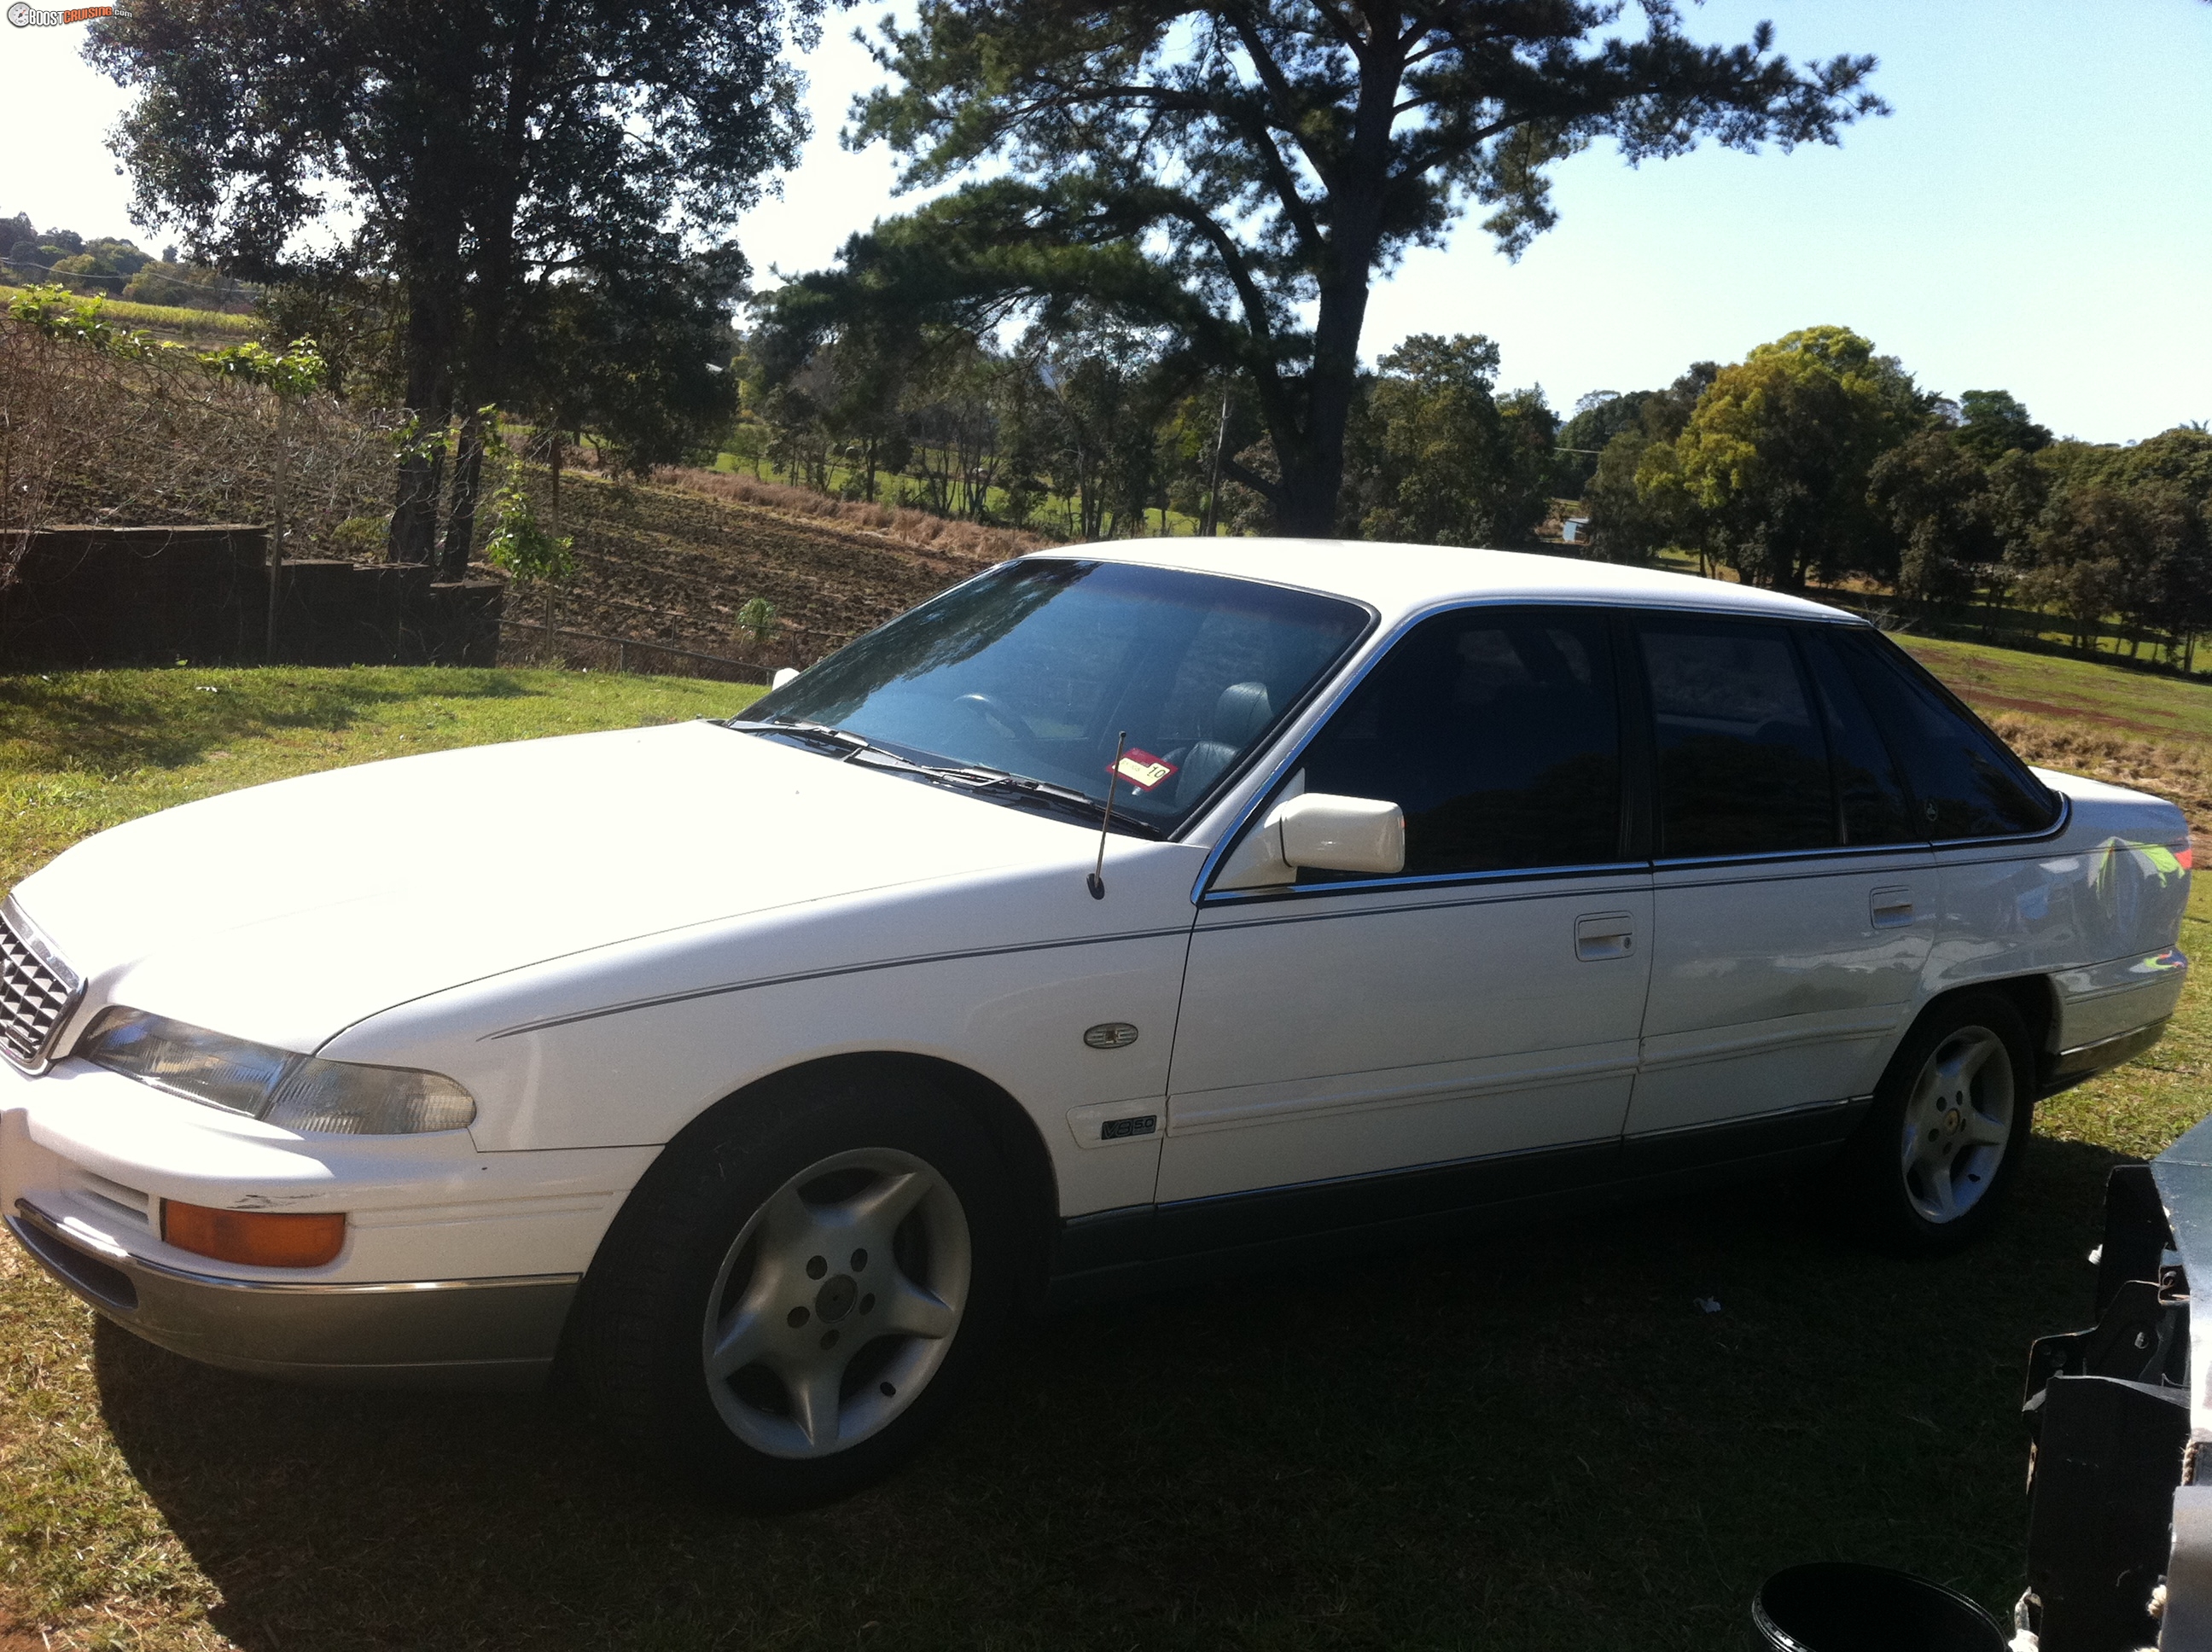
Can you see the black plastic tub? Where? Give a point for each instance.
(1835, 1606)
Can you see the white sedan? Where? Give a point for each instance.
(1124, 911)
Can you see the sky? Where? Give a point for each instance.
(2035, 216)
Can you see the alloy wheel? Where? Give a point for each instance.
(1958, 1124)
(836, 1304)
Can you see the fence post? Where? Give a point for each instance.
(277, 524)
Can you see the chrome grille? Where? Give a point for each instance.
(37, 990)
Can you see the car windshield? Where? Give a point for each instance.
(1037, 667)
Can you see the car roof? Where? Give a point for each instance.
(1399, 579)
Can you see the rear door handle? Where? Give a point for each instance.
(1891, 907)
(1604, 935)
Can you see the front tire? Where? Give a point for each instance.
(1929, 1168)
(793, 1299)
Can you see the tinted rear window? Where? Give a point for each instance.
(1875, 807)
(1965, 782)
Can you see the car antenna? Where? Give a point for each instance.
(1097, 882)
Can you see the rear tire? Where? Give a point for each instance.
(796, 1294)
(1929, 1168)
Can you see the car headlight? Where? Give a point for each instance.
(337, 1098)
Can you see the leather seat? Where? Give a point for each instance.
(1241, 712)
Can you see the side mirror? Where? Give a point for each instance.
(1316, 829)
(785, 675)
(1336, 833)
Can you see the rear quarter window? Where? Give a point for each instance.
(1872, 798)
(1965, 781)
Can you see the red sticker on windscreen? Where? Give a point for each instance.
(1142, 770)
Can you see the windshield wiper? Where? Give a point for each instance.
(968, 777)
(800, 728)
(982, 777)
(842, 740)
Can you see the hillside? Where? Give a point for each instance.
(212, 327)
(674, 564)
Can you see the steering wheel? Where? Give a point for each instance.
(992, 709)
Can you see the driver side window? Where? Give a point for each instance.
(1497, 731)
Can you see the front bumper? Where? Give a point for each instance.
(454, 1333)
(457, 1270)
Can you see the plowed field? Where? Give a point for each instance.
(665, 565)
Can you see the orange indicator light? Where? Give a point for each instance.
(256, 1238)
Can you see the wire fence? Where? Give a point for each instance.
(160, 289)
(103, 438)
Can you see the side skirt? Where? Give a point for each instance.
(1107, 1254)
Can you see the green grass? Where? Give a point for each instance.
(171, 317)
(1533, 1440)
(2138, 704)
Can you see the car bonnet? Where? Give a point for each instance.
(287, 912)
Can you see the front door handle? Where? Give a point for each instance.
(1604, 935)
(1890, 909)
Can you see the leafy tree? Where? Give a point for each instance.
(2127, 528)
(1205, 426)
(790, 404)
(637, 354)
(104, 265)
(1097, 427)
(1932, 493)
(2169, 589)
(1598, 417)
(1233, 178)
(35, 253)
(2181, 457)
(355, 319)
(1627, 524)
(1993, 423)
(1436, 459)
(474, 146)
(1774, 462)
(952, 422)
(2090, 537)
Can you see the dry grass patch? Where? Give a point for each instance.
(2181, 773)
